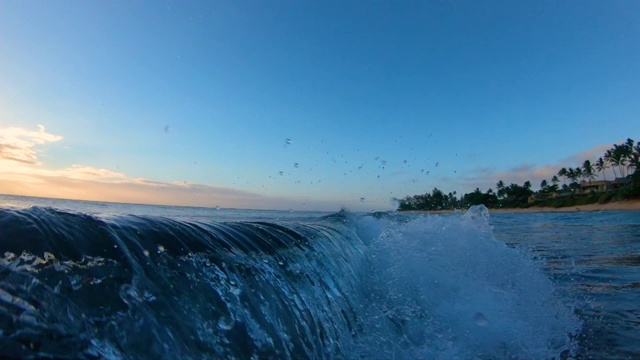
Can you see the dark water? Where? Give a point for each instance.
(593, 258)
(94, 280)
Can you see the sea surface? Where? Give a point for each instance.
(116, 281)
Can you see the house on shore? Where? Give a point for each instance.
(594, 186)
(601, 185)
(585, 188)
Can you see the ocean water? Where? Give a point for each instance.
(112, 281)
(593, 259)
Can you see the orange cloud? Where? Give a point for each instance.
(90, 173)
(148, 192)
(22, 174)
(17, 144)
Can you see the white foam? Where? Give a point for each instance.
(444, 287)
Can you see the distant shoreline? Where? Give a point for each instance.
(633, 204)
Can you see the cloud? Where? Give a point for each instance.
(19, 160)
(17, 144)
(89, 183)
(485, 178)
(591, 154)
(140, 191)
(91, 173)
(22, 174)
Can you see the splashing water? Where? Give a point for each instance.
(443, 287)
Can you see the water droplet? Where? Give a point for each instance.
(149, 296)
(225, 323)
(146, 252)
(76, 282)
(161, 249)
(480, 319)
(129, 294)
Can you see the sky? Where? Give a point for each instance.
(308, 105)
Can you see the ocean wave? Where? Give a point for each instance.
(343, 286)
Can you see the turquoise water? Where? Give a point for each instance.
(102, 280)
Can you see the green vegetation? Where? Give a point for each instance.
(583, 188)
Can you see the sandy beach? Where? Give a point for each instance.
(617, 205)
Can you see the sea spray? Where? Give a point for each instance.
(442, 287)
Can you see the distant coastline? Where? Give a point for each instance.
(624, 205)
(585, 191)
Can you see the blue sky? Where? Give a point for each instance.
(193, 102)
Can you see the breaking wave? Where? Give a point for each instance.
(343, 286)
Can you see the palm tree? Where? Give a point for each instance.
(629, 146)
(634, 159)
(564, 173)
(609, 158)
(631, 154)
(588, 171)
(601, 166)
(554, 181)
(577, 174)
(620, 157)
(543, 185)
(574, 175)
(571, 174)
(633, 163)
(500, 187)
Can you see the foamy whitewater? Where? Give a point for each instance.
(272, 285)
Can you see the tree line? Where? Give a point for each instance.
(622, 157)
